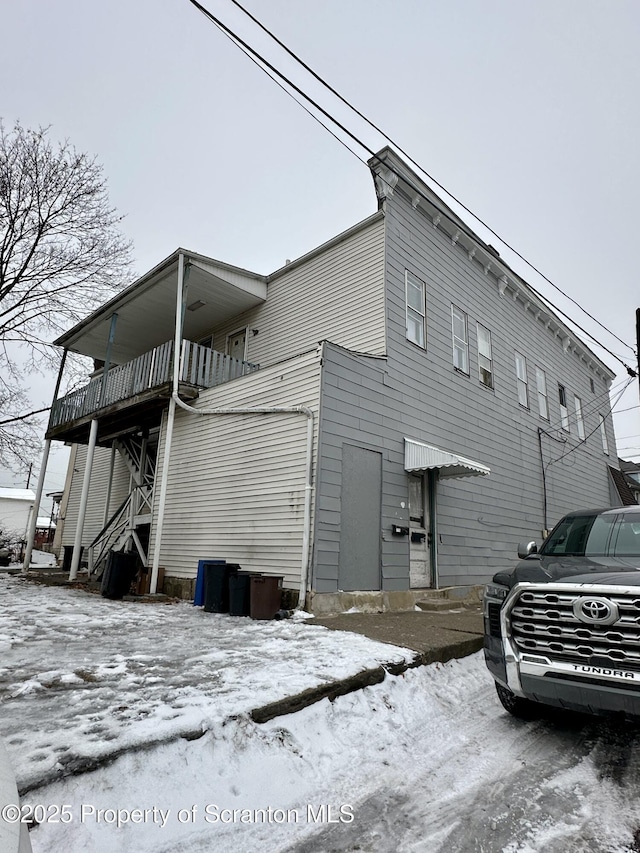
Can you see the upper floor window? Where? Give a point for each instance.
(521, 377)
(460, 340)
(543, 402)
(564, 412)
(579, 421)
(603, 435)
(415, 291)
(485, 361)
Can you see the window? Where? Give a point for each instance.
(564, 412)
(541, 384)
(460, 340)
(521, 376)
(416, 309)
(580, 535)
(603, 435)
(579, 422)
(485, 363)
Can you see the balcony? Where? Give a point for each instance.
(136, 392)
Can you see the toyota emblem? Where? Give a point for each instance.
(596, 611)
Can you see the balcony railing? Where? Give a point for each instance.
(201, 366)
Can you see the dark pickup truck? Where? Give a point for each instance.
(562, 628)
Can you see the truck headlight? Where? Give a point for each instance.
(495, 592)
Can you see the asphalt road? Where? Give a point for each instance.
(566, 783)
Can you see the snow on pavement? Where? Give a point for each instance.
(425, 762)
(83, 678)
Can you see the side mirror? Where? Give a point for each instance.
(525, 549)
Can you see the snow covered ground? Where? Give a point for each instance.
(423, 762)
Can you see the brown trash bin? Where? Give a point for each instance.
(264, 596)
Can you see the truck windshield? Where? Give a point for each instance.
(595, 535)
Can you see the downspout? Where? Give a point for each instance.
(162, 499)
(308, 488)
(544, 478)
(31, 533)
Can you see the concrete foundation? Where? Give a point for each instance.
(179, 587)
(380, 601)
(376, 601)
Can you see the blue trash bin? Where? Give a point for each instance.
(198, 596)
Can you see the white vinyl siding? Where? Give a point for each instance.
(460, 339)
(603, 435)
(564, 411)
(485, 359)
(236, 483)
(94, 518)
(521, 379)
(337, 294)
(577, 402)
(415, 295)
(543, 402)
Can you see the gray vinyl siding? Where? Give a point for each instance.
(237, 482)
(337, 294)
(94, 518)
(480, 520)
(359, 409)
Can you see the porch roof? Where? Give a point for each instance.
(423, 457)
(146, 309)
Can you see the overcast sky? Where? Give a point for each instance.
(527, 111)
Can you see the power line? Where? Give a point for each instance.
(396, 145)
(582, 443)
(589, 407)
(257, 58)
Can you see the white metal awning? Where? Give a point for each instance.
(424, 457)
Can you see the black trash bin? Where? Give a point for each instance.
(119, 574)
(67, 556)
(240, 593)
(216, 585)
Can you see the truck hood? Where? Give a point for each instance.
(601, 570)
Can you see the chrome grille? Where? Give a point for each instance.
(543, 622)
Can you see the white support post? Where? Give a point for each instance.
(33, 519)
(77, 544)
(31, 535)
(162, 499)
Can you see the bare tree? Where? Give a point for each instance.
(61, 255)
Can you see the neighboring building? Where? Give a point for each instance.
(16, 506)
(45, 532)
(421, 411)
(631, 473)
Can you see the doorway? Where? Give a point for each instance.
(237, 344)
(361, 505)
(419, 533)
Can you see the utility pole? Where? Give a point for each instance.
(29, 474)
(638, 341)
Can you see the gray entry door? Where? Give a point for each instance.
(361, 505)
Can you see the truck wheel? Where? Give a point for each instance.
(524, 709)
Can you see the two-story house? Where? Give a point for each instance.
(393, 411)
